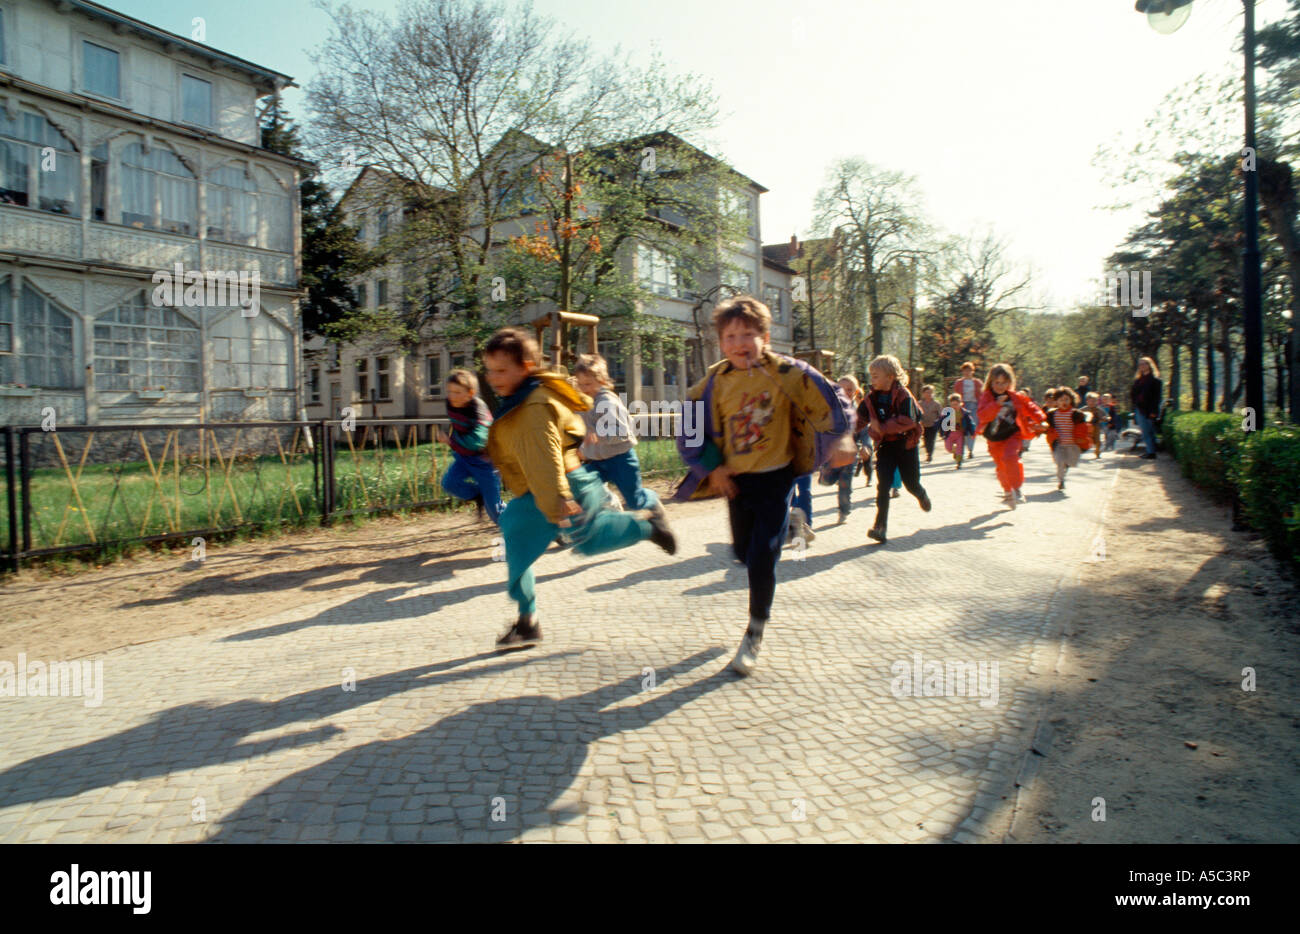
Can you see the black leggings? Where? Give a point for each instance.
(891, 455)
(758, 517)
(929, 440)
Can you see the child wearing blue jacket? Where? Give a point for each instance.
(471, 475)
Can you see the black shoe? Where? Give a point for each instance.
(524, 632)
(1060, 484)
(1147, 457)
(876, 534)
(560, 542)
(478, 503)
(925, 502)
(661, 534)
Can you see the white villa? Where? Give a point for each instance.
(385, 381)
(127, 152)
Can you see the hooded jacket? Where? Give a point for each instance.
(904, 415)
(535, 442)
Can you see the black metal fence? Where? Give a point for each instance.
(87, 488)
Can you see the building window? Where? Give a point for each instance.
(363, 379)
(381, 376)
(158, 191)
(232, 206)
(99, 70)
(39, 166)
(313, 385)
(250, 353)
(39, 341)
(772, 299)
(383, 224)
(2, 37)
(334, 356)
(433, 374)
(196, 100)
(142, 346)
(275, 215)
(739, 279)
(361, 295)
(336, 399)
(612, 351)
(381, 293)
(657, 272)
(99, 182)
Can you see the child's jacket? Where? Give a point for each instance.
(780, 410)
(1029, 417)
(469, 428)
(608, 417)
(901, 419)
(962, 421)
(1082, 429)
(535, 438)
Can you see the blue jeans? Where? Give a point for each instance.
(1148, 427)
(527, 533)
(971, 408)
(624, 471)
(803, 495)
(759, 515)
(469, 477)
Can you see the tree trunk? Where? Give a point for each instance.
(1194, 357)
(1225, 327)
(1277, 195)
(1279, 376)
(1209, 359)
(1175, 375)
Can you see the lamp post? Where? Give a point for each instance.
(1166, 16)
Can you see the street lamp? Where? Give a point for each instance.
(1166, 16)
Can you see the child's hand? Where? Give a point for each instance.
(720, 477)
(591, 438)
(571, 508)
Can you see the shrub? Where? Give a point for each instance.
(1260, 469)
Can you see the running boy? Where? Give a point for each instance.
(534, 443)
(893, 419)
(471, 475)
(1097, 416)
(930, 411)
(766, 419)
(610, 448)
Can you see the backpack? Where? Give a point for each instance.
(1004, 424)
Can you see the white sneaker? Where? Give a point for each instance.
(747, 656)
(799, 527)
(1010, 499)
(1020, 497)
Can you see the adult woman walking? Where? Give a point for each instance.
(1145, 396)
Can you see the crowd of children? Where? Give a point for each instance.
(769, 423)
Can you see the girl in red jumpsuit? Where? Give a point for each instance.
(999, 390)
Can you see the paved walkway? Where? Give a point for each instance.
(625, 724)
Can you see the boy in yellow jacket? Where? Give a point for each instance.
(533, 442)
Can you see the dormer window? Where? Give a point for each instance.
(196, 100)
(100, 70)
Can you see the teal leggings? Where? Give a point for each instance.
(528, 533)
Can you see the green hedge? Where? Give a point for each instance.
(1260, 469)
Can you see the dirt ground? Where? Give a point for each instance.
(1145, 700)
(71, 612)
(1148, 709)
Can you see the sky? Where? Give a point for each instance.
(996, 107)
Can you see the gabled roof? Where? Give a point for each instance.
(384, 176)
(121, 21)
(663, 136)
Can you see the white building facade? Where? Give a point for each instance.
(129, 158)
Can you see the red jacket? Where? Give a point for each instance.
(1082, 429)
(956, 387)
(1029, 417)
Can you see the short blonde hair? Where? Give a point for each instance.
(856, 391)
(1091, 396)
(465, 378)
(955, 397)
(890, 363)
(594, 364)
(744, 308)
